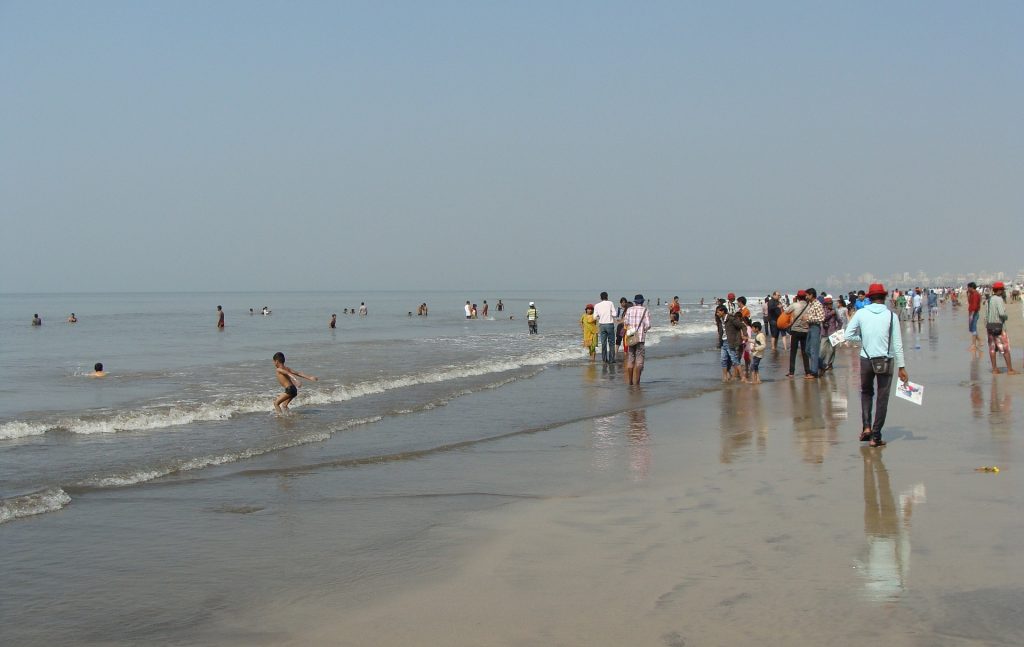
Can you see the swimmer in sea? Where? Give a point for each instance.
(72, 318)
(289, 379)
(97, 370)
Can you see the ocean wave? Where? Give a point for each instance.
(162, 417)
(26, 505)
(179, 466)
(19, 429)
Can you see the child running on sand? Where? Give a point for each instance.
(289, 379)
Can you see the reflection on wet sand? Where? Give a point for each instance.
(1000, 419)
(885, 564)
(606, 441)
(639, 445)
(977, 398)
(742, 418)
(809, 423)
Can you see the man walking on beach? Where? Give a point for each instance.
(875, 327)
(995, 324)
(604, 312)
(973, 310)
(917, 305)
(636, 319)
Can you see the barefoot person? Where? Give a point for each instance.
(973, 311)
(289, 379)
(220, 318)
(876, 327)
(995, 324)
(637, 320)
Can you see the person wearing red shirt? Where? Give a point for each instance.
(973, 310)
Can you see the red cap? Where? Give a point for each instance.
(731, 296)
(998, 285)
(590, 306)
(828, 299)
(876, 289)
(801, 293)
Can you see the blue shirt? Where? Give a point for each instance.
(871, 326)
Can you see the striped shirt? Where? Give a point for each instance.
(638, 317)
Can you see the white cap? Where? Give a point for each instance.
(531, 303)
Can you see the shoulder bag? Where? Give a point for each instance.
(633, 334)
(786, 319)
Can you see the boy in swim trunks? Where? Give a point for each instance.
(289, 379)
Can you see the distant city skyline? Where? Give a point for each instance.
(903, 280)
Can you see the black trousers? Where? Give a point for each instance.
(799, 339)
(868, 391)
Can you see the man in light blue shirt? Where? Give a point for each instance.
(878, 331)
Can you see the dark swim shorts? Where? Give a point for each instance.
(292, 391)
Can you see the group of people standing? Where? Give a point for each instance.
(608, 325)
(810, 319)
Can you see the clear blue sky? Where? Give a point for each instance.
(375, 145)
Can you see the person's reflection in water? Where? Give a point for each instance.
(886, 562)
(602, 441)
(933, 336)
(735, 429)
(977, 398)
(808, 422)
(1000, 415)
(639, 445)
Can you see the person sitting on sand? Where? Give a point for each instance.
(289, 379)
(97, 370)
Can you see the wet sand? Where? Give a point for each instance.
(749, 515)
(744, 515)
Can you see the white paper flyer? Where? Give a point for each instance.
(910, 392)
(837, 337)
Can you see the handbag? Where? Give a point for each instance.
(786, 320)
(633, 334)
(883, 365)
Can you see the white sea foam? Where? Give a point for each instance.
(19, 429)
(151, 418)
(27, 505)
(211, 460)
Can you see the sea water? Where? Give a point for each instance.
(183, 397)
(168, 496)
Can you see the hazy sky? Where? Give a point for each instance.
(425, 144)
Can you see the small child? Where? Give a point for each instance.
(760, 342)
(748, 347)
(289, 379)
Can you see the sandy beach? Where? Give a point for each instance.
(750, 515)
(737, 515)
